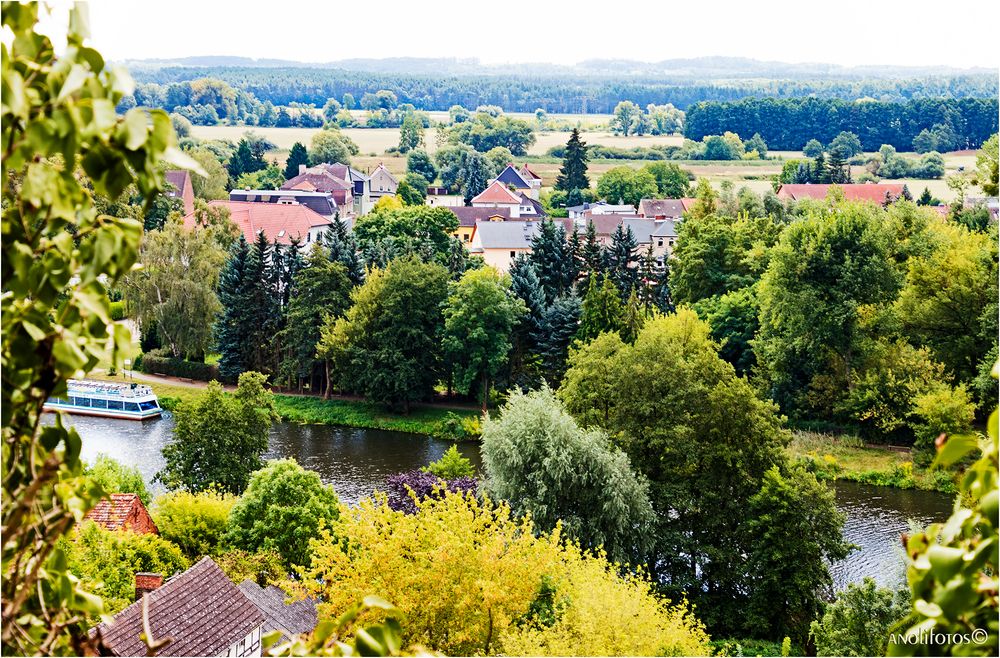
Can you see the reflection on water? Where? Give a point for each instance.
(357, 461)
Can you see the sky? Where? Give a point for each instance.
(846, 32)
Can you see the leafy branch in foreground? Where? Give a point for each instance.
(60, 136)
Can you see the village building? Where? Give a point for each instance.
(340, 180)
(200, 610)
(382, 183)
(520, 180)
(499, 243)
(661, 208)
(322, 203)
(279, 222)
(498, 195)
(123, 511)
(469, 215)
(438, 196)
(599, 208)
(179, 186)
(879, 193)
(290, 618)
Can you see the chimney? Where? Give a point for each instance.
(146, 582)
(302, 169)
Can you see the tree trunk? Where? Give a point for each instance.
(486, 391)
(326, 389)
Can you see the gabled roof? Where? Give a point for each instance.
(527, 173)
(874, 192)
(201, 609)
(497, 192)
(178, 179)
(511, 176)
(666, 208)
(323, 178)
(289, 618)
(278, 221)
(514, 234)
(118, 511)
(323, 203)
(666, 228)
(536, 207)
(381, 168)
(688, 203)
(642, 229)
(468, 216)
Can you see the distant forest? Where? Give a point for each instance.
(787, 124)
(557, 94)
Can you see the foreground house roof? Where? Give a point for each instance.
(201, 610)
(278, 221)
(122, 511)
(289, 618)
(324, 203)
(874, 192)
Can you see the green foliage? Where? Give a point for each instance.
(331, 146)
(625, 118)
(343, 636)
(857, 623)
(626, 185)
(672, 182)
(219, 438)
(431, 421)
(479, 317)
(419, 162)
(61, 139)
(952, 567)
(988, 166)
(705, 441)
(573, 173)
(106, 562)
(117, 311)
(387, 347)
(283, 509)
(942, 410)
(157, 364)
(452, 465)
(195, 522)
(114, 477)
(602, 310)
(385, 234)
(553, 262)
(813, 148)
(298, 155)
(268, 178)
(174, 292)
(485, 131)
(542, 463)
(733, 319)
(264, 567)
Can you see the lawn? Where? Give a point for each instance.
(834, 457)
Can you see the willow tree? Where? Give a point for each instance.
(60, 137)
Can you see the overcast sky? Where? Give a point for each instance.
(847, 32)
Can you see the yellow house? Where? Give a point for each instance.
(499, 243)
(467, 218)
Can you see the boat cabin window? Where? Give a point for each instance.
(146, 406)
(115, 404)
(98, 403)
(131, 406)
(81, 402)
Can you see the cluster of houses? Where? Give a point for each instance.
(497, 224)
(199, 612)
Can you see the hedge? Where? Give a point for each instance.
(155, 364)
(117, 311)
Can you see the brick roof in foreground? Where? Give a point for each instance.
(289, 618)
(201, 609)
(122, 511)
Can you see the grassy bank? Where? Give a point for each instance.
(833, 457)
(432, 421)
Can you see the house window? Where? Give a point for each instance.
(659, 243)
(513, 254)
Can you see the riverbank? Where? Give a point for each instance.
(833, 457)
(438, 421)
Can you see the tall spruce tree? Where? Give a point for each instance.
(344, 250)
(633, 319)
(551, 257)
(231, 326)
(622, 260)
(556, 334)
(601, 310)
(820, 174)
(838, 171)
(523, 363)
(573, 173)
(299, 155)
(262, 306)
(244, 161)
(592, 256)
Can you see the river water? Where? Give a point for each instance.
(357, 461)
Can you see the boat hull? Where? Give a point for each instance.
(103, 413)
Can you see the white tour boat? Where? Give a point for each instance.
(108, 399)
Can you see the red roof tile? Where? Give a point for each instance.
(497, 192)
(278, 221)
(122, 511)
(874, 192)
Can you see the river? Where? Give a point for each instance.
(357, 461)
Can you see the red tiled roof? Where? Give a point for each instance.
(271, 218)
(687, 202)
(119, 512)
(497, 192)
(201, 609)
(874, 192)
(652, 208)
(319, 179)
(468, 216)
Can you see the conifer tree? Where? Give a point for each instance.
(820, 174)
(837, 169)
(573, 173)
(647, 279)
(601, 310)
(261, 305)
(244, 161)
(551, 258)
(633, 318)
(523, 364)
(343, 249)
(622, 260)
(299, 155)
(556, 333)
(230, 326)
(592, 256)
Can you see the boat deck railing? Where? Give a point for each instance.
(112, 389)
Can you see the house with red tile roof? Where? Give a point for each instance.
(280, 222)
(520, 179)
(179, 186)
(873, 192)
(661, 208)
(349, 186)
(499, 195)
(123, 511)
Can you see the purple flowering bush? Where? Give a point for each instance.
(423, 485)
